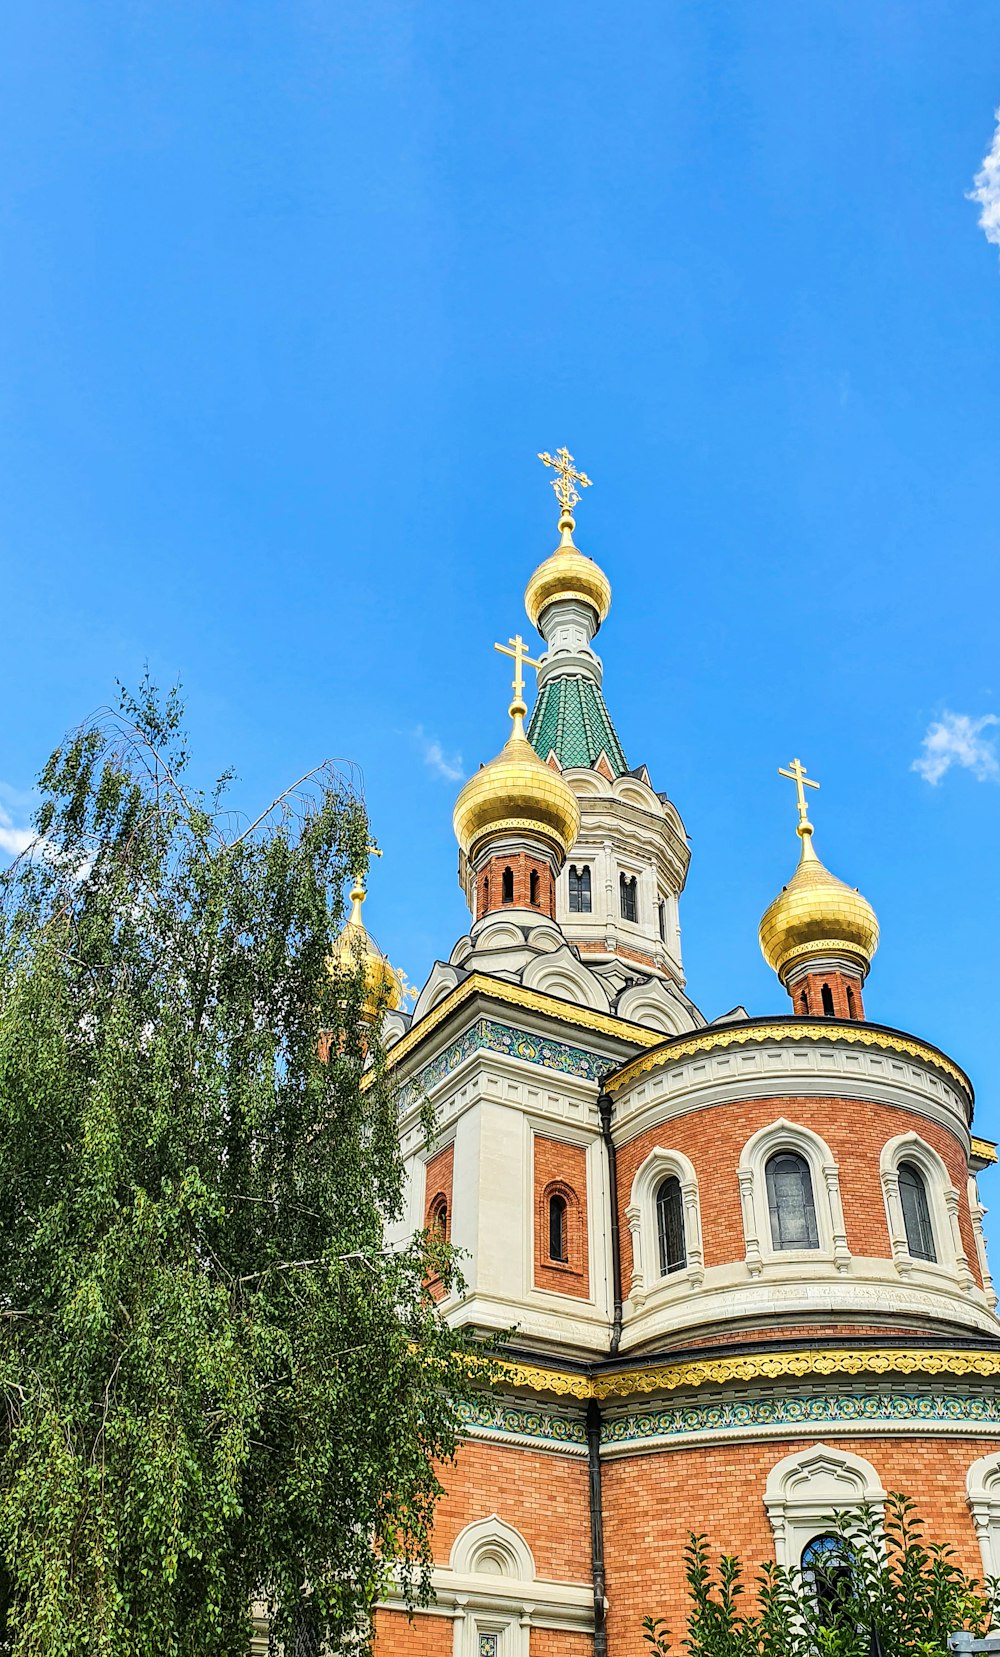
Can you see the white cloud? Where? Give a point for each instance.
(14, 840)
(987, 190)
(956, 739)
(448, 766)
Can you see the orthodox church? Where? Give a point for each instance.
(744, 1259)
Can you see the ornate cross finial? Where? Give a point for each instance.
(566, 479)
(796, 773)
(517, 648)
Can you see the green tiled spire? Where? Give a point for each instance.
(570, 720)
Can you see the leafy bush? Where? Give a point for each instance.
(887, 1593)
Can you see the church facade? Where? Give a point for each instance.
(743, 1260)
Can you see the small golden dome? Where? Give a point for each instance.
(816, 914)
(567, 575)
(355, 947)
(517, 793)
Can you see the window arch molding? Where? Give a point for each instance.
(804, 1489)
(942, 1204)
(659, 1165)
(982, 1483)
(824, 1173)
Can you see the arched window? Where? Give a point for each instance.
(579, 890)
(438, 1217)
(826, 1572)
(803, 1002)
(507, 886)
(790, 1202)
(670, 1225)
(533, 887)
(486, 892)
(916, 1213)
(627, 886)
(558, 1228)
(661, 912)
(827, 995)
(851, 1011)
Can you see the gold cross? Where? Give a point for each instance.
(517, 648)
(796, 773)
(563, 483)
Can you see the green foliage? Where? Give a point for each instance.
(220, 1384)
(898, 1594)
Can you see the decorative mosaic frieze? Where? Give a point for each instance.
(487, 1035)
(488, 1419)
(737, 1415)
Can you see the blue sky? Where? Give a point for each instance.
(292, 293)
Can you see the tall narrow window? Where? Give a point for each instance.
(662, 916)
(827, 995)
(507, 886)
(533, 887)
(557, 1228)
(439, 1217)
(826, 1572)
(916, 1212)
(803, 1002)
(486, 892)
(851, 1011)
(627, 885)
(790, 1202)
(670, 1226)
(579, 891)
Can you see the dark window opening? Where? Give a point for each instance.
(507, 886)
(533, 887)
(662, 915)
(627, 886)
(579, 891)
(803, 1002)
(557, 1229)
(826, 1572)
(439, 1217)
(916, 1212)
(486, 892)
(851, 1011)
(670, 1226)
(790, 1202)
(827, 995)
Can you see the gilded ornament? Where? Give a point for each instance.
(355, 947)
(815, 914)
(567, 575)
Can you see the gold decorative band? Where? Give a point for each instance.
(857, 1035)
(763, 1366)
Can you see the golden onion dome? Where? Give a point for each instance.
(355, 948)
(816, 914)
(567, 575)
(517, 793)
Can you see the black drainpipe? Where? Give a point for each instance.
(604, 1106)
(596, 1526)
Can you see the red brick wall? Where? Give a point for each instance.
(854, 1130)
(489, 885)
(652, 1502)
(428, 1636)
(561, 1169)
(543, 1495)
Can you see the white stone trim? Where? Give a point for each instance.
(982, 1482)
(490, 1586)
(805, 1489)
(769, 1141)
(978, 1214)
(641, 1217)
(942, 1204)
